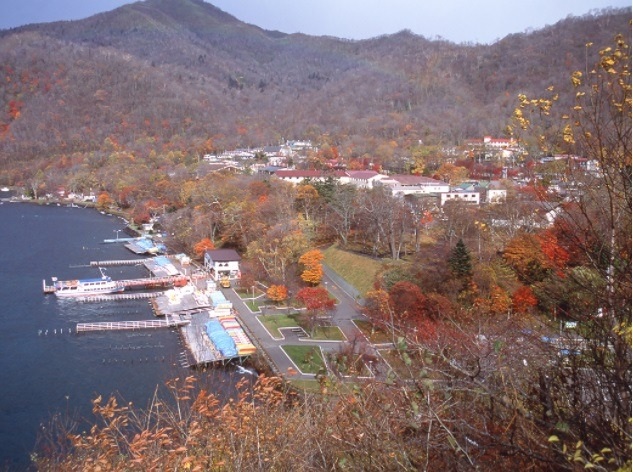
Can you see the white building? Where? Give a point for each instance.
(362, 178)
(402, 185)
(223, 262)
(460, 195)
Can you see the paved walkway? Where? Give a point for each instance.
(346, 310)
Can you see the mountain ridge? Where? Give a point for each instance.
(174, 72)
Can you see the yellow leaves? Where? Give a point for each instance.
(568, 135)
(576, 78)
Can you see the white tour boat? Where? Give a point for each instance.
(86, 287)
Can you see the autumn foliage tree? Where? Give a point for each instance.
(104, 201)
(523, 300)
(205, 244)
(277, 293)
(596, 291)
(316, 299)
(313, 269)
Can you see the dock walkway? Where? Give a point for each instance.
(115, 297)
(120, 262)
(129, 325)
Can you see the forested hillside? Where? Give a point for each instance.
(503, 328)
(182, 76)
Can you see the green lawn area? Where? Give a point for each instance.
(246, 294)
(307, 358)
(327, 333)
(273, 322)
(252, 305)
(357, 270)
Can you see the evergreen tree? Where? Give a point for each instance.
(459, 260)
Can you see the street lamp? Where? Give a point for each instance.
(117, 233)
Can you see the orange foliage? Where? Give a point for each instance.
(104, 200)
(313, 272)
(316, 298)
(523, 299)
(499, 301)
(205, 244)
(408, 301)
(556, 255)
(277, 293)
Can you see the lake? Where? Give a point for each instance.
(46, 367)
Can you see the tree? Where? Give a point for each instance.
(342, 208)
(277, 249)
(205, 244)
(523, 300)
(410, 305)
(104, 201)
(313, 272)
(277, 293)
(452, 174)
(316, 299)
(318, 304)
(459, 261)
(596, 223)
(524, 254)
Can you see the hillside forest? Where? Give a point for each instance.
(512, 331)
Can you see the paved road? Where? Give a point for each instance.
(346, 310)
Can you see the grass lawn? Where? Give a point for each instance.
(357, 270)
(307, 358)
(375, 335)
(248, 293)
(273, 322)
(252, 305)
(327, 333)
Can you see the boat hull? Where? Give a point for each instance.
(86, 288)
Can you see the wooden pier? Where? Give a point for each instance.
(113, 263)
(128, 325)
(114, 297)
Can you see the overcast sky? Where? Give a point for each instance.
(481, 21)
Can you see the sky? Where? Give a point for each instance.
(459, 21)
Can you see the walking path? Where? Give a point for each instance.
(345, 311)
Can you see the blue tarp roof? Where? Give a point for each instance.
(217, 297)
(221, 339)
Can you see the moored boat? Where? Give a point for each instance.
(86, 287)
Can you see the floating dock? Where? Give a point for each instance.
(120, 296)
(123, 262)
(129, 325)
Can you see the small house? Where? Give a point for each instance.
(223, 263)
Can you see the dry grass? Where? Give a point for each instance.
(357, 270)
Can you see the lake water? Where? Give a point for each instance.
(46, 367)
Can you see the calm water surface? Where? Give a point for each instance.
(46, 367)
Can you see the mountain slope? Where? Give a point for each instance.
(171, 74)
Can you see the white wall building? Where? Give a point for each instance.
(402, 185)
(468, 197)
(223, 262)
